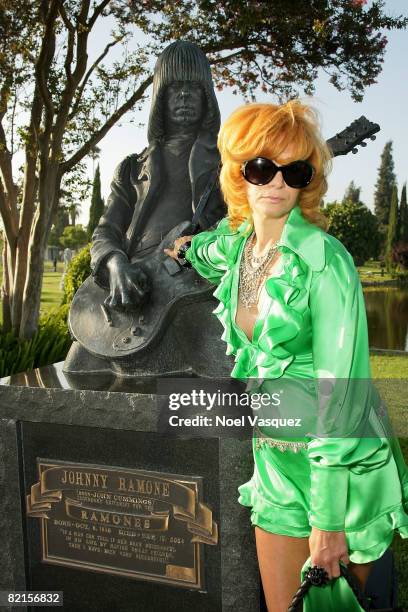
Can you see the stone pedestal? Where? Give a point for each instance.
(75, 433)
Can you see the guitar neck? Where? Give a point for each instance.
(353, 136)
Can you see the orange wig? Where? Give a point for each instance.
(266, 130)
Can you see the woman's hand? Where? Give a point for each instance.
(177, 244)
(327, 548)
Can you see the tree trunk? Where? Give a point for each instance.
(48, 200)
(5, 290)
(19, 282)
(32, 290)
(26, 222)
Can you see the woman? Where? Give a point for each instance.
(292, 307)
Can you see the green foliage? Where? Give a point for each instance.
(357, 229)
(73, 237)
(97, 204)
(49, 345)
(61, 221)
(328, 206)
(385, 184)
(352, 194)
(75, 189)
(403, 216)
(392, 230)
(280, 45)
(78, 270)
(400, 257)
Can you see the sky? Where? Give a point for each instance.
(384, 103)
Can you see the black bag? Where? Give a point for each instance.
(380, 593)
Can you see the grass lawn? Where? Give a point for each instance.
(371, 271)
(391, 374)
(51, 293)
(389, 366)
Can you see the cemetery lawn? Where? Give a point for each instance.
(391, 374)
(51, 294)
(371, 272)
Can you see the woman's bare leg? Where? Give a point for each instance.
(281, 559)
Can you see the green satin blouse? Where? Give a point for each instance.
(313, 327)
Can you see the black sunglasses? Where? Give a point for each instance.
(260, 171)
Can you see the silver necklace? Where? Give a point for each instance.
(252, 270)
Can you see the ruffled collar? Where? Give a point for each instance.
(266, 356)
(302, 237)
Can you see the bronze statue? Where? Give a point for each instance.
(171, 183)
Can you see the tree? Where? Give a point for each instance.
(357, 228)
(74, 237)
(400, 255)
(392, 229)
(328, 207)
(352, 194)
(403, 216)
(386, 182)
(94, 155)
(76, 190)
(279, 45)
(58, 100)
(73, 211)
(97, 204)
(60, 222)
(71, 102)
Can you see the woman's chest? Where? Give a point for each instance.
(281, 314)
(247, 315)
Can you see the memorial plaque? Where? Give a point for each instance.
(136, 523)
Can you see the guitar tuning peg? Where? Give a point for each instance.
(363, 144)
(354, 150)
(373, 137)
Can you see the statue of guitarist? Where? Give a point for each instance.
(173, 178)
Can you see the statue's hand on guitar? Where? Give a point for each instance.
(129, 284)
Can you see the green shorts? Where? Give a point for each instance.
(279, 497)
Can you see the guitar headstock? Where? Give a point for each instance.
(355, 134)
